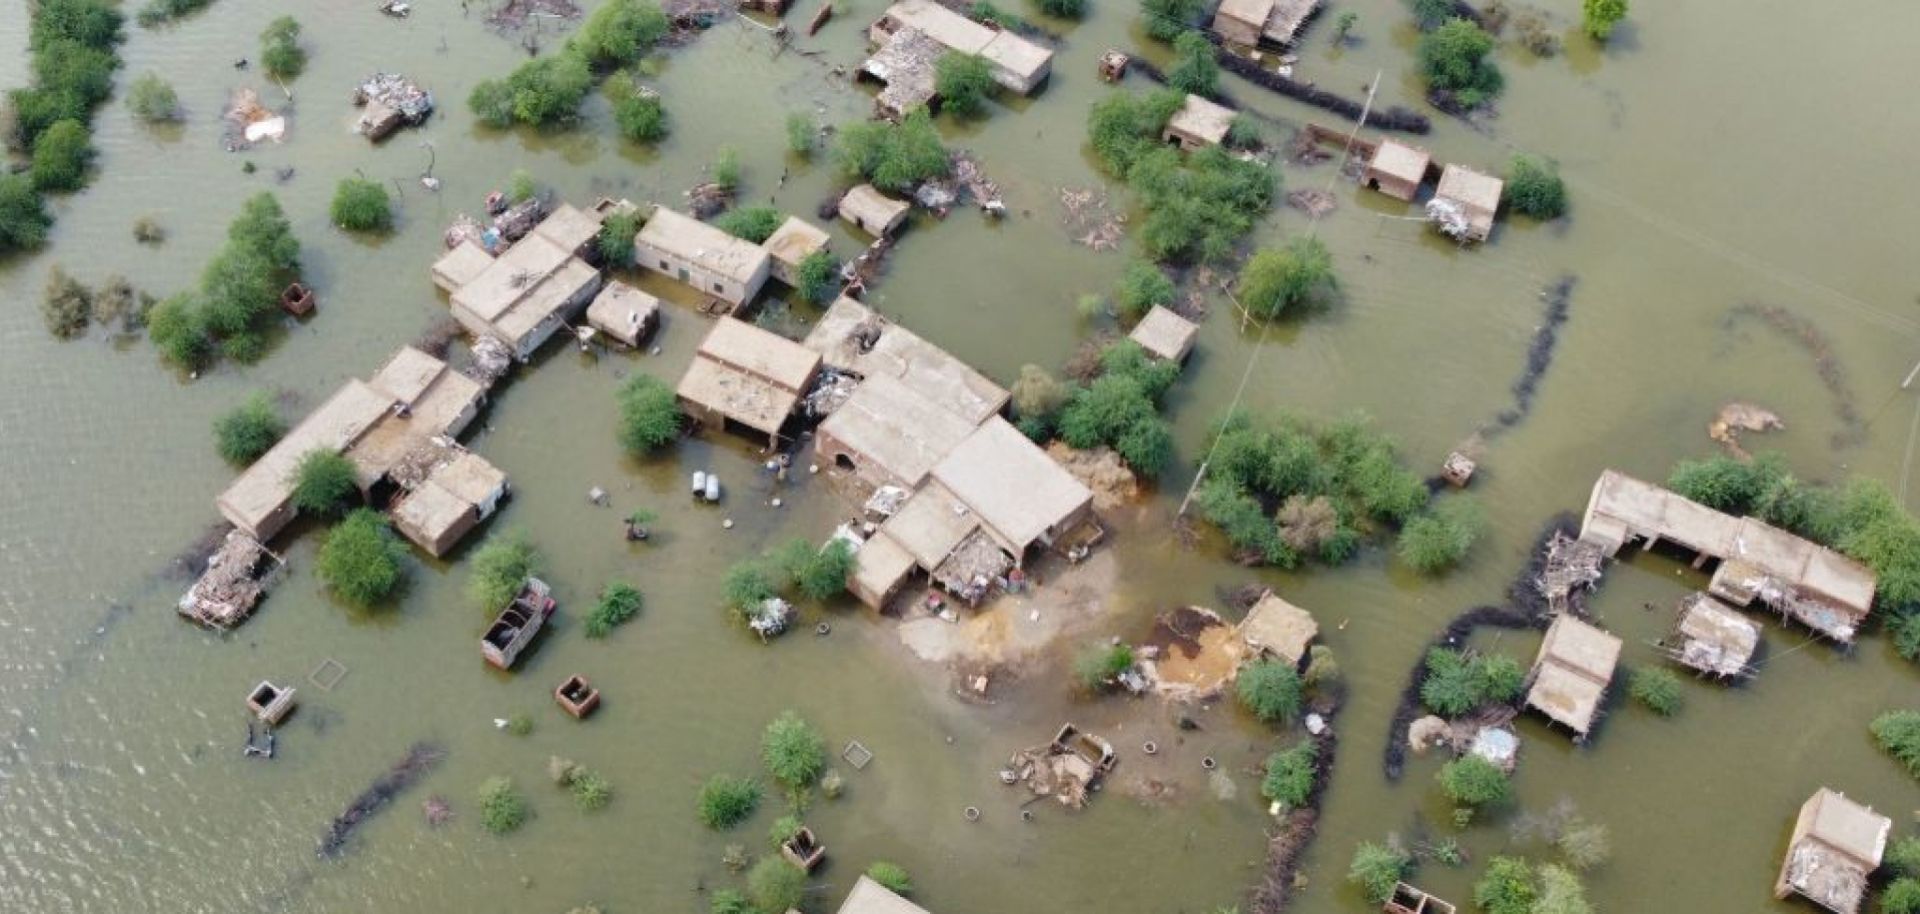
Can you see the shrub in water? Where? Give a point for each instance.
(776, 885)
(726, 168)
(323, 481)
(152, 99)
(1561, 892)
(618, 603)
(545, 90)
(1167, 19)
(1297, 277)
(892, 875)
(649, 414)
(1194, 70)
(620, 32)
(1376, 869)
(793, 751)
(730, 901)
(1901, 897)
(60, 157)
(499, 568)
(800, 133)
(1289, 776)
(1656, 688)
(1142, 285)
(727, 801)
(753, 223)
(1099, 666)
(502, 808)
(963, 82)
(23, 214)
(1436, 540)
(242, 435)
(1454, 59)
(636, 110)
(1898, 732)
(895, 157)
(1506, 888)
(590, 791)
(1473, 781)
(815, 276)
(66, 305)
(1270, 689)
(361, 205)
(280, 51)
(1534, 188)
(616, 237)
(361, 557)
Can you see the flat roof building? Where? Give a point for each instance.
(852, 338)
(1198, 124)
(702, 256)
(867, 209)
(870, 897)
(904, 64)
(453, 499)
(887, 433)
(1836, 845)
(624, 313)
(1250, 22)
(931, 524)
(1713, 638)
(571, 229)
(1465, 202)
(1397, 169)
(881, 566)
(525, 294)
(460, 266)
(1278, 628)
(1018, 64)
(746, 375)
(1021, 495)
(429, 400)
(792, 243)
(1164, 334)
(1571, 673)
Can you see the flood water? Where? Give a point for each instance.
(1719, 154)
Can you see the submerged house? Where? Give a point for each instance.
(851, 338)
(881, 566)
(1165, 335)
(794, 241)
(1022, 496)
(1836, 845)
(1800, 579)
(1198, 124)
(525, 294)
(456, 493)
(695, 253)
(1250, 22)
(1278, 629)
(870, 897)
(1570, 675)
(624, 313)
(867, 209)
(1397, 169)
(1018, 65)
(1464, 204)
(746, 376)
(903, 64)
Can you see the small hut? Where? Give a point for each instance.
(1397, 169)
(624, 313)
(1113, 65)
(270, 703)
(794, 241)
(1464, 204)
(1571, 674)
(1165, 335)
(1836, 846)
(1279, 629)
(1409, 900)
(871, 211)
(1198, 124)
(1713, 638)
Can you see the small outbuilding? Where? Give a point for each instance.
(870, 897)
(624, 313)
(1464, 204)
(1836, 845)
(881, 566)
(702, 256)
(1198, 124)
(1165, 335)
(748, 376)
(455, 497)
(1398, 169)
(794, 241)
(1713, 638)
(867, 209)
(1571, 674)
(460, 266)
(1021, 495)
(1278, 629)
(1251, 22)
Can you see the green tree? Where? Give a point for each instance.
(1142, 286)
(323, 481)
(793, 751)
(1194, 70)
(361, 557)
(361, 205)
(499, 568)
(616, 237)
(1903, 856)
(814, 277)
(753, 223)
(66, 304)
(618, 603)
(1898, 733)
(161, 12)
(1598, 17)
(542, 91)
(1473, 781)
(1454, 59)
(1037, 396)
(776, 885)
(620, 32)
(262, 228)
(1099, 666)
(636, 109)
(1561, 892)
(178, 332)
(800, 134)
(1289, 779)
(61, 156)
(726, 168)
(1506, 888)
(649, 414)
(1117, 410)
(963, 82)
(23, 214)
(1657, 689)
(1534, 188)
(1167, 19)
(895, 157)
(502, 808)
(823, 572)
(1377, 868)
(892, 875)
(1293, 278)
(1064, 9)
(242, 435)
(1270, 689)
(1429, 14)
(1902, 896)
(746, 585)
(280, 51)
(731, 901)
(727, 801)
(1436, 540)
(152, 99)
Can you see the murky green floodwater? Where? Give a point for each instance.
(1721, 153)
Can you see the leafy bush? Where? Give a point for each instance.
(1429, 14)
(1290, 774)
(66, 304)
(730, 901)
(616, 237)
(23, 214)
(502, 808)
(177, 330)
(747, 585)
(793, 751)
(1436, 540)
(242, 435)
(1506, 888)
(239, 291)
(1194, 70)
(892, 875)
(620, 32)
(1457, 683)
(1903, 856)
(753, 223)
(963, 82)
(152, 99)
(360, 559)
(1657, 689)
(361, 205)
(1898, 732)
(1168, 19)
(726, 168)
(1270, 689)
(323, 481)
(1584, 845)
(590, 790)
(814, 276)
(726, 801)
(521, 187)
(1142, 286)
(499, 568)
(1064, 9)
(1036, 395)
(520, 724)
(161, 12)
(619, 602)
(280, 51)
(1561, 892)
(542, 91)
(1198, 206)
(800, 133)
(1293, 278)
(636, 110)
(894, 157)
(1905, 630)
(1473, 781)
(824, 571)
(1377, 868)
(776, 885)
(60, 157)
(784, 829)
(1454, 60)
(1598, 17)
(1098, 666)
(1534, 188)
(649, 414)
(1902, 896)
(1119, 409)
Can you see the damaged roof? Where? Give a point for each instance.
(1277, 626)
(1571, 673)
(795, 239)
(845, 338)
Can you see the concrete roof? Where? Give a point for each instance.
(1202, 119)
(264, 487)
(930, 524)
(905, 63)
(702, 244)
(1471, 189)
(740, 396)
(1581, 646)
(430, 511)
(622, 310)
(1017, 55)
(1287, 17)
(510, 276)
(880, 564)
(896, 428)
(1645, 508)
(1575, 664)
(867, 204)
(1253, 12)
(1400, 160)
(764, 353)
(553, 295)
(905, 356)
(1165, 334)
(1849, 827)
(1566, 696)
(1275, 625)
(870, 897)
(1715, 639)
(795, 239)
(568, 227)
(943, 25)
(461, 265)
(1016, 488)
(436, 398)
(469, 477)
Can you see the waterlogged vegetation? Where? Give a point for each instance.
(1198, 206)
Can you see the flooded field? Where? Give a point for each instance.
(1721, 158)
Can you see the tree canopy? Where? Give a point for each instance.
(323, 481)
(361, 558)
(1599, 17)
(895, 157)
(1289, 279)
(963, 82)
(649, 414)
(1454, 59)
(1194, 70)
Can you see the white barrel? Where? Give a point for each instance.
(713, 487)
(699, 481)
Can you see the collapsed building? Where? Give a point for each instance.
(912, 35)
(1836, 845)
(1571, 674)
(1251, 22)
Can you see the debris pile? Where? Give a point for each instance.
(1735, 418)
(514, 14)
(1101, 470)
(1315, 203)
(1572, 567)
(237, 576)
(249, 122)
(771, 618)
(1090, 219)
(390, 100)
(1066, 769)
(416, 764)
(491, 360)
